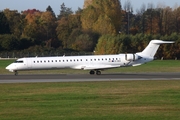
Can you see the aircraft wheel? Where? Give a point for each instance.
(98, 72)
(91, 72)
(15, 73)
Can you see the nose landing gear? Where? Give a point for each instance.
(15, 73)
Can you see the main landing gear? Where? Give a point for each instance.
(92, 72)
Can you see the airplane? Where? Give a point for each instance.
(94, 63)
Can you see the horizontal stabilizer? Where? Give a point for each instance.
(161, 42)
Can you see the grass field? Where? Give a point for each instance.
(154, 66)
(127, 100)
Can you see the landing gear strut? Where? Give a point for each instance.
(15, 73)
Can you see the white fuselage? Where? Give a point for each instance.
(91, 62)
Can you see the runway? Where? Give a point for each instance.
(32, 78)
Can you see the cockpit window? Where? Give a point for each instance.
(18, 61)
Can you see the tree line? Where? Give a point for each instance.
(101, 27)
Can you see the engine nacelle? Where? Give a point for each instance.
(131, 57)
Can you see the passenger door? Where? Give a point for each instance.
(29, 63)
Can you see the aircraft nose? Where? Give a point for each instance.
(10, 68)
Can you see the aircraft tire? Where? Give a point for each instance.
(98, 72)
(92, 72)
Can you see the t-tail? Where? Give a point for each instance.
(148, 53)
(152, 48)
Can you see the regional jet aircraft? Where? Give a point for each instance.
(94, 63)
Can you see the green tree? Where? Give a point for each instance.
(64, 12)
(72, 38)
(96, 10)
(83, 43)
(167, 21)
(4, 24)
(48, 24)
(49, 9)
(89, 17)
(16, 22)
(176, 14)
(107, 44)
(41, 27)
(104, 25)
(9, 42)
(32, 28)
(79, 11)
(25, 43)
(66, 25)
(74, 24)
(63, 31)
(36, 27)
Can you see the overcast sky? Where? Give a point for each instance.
(41, 5)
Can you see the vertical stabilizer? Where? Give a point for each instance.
(152, 47)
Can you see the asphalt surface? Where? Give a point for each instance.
(32, 78)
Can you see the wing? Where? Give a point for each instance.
(95, 67)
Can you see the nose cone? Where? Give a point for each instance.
(10, 68)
